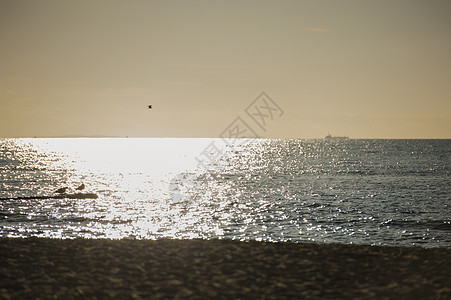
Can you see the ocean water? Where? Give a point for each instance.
(375, 192)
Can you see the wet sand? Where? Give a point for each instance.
(218, 269)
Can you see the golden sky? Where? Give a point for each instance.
(366, 69)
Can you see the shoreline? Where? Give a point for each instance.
(223, 269)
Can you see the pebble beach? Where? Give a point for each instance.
(41, 268)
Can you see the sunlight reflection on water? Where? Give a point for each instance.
(272, 190)
(131, 176)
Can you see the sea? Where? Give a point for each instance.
(352, 191)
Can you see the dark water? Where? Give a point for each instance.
(389, 192)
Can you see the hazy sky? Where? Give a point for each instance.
(375, 69)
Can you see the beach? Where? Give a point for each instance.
(218, 269)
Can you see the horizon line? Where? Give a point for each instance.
(216, 137)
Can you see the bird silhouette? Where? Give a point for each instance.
(81, 187)
(61, 190)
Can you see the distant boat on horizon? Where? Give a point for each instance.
(330, 137)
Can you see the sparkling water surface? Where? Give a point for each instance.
(387, 192)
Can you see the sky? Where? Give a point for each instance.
(365, 69)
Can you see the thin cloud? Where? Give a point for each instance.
(315, 29)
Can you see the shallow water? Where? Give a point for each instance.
(388, 192)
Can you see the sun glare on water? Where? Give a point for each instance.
(132, 178)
